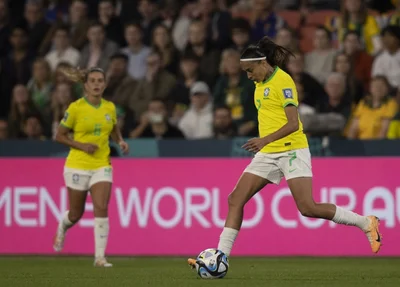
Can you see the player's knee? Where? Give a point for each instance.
(235, 201)
(75, 215)
(308, 209)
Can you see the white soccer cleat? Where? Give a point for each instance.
(58, 242)
(102, 262)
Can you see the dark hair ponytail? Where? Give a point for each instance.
(275, 55)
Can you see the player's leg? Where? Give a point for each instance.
(260, 172)
(77, 184)
(297, 169)
(248, 185)
(101, 191)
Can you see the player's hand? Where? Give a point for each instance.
(255, 144)
(89, 148)
(124, 147)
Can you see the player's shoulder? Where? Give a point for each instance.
(76, 105)
(107, 104)
(281, 80)
(282, 75)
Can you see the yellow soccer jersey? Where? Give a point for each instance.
(90, 124)
(270, 98)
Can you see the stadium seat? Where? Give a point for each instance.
(245, 15)
(373, 12)
(319, 17)
(306, 38)
(292, 18)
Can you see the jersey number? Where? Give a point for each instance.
(97, 129)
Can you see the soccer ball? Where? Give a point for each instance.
(212, 264)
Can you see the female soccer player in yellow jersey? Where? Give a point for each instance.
(93, 121)
(281, 149)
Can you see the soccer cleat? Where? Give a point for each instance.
(101, 262)
(192, 263)
(58, 241)
(373, 235)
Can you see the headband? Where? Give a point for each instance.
(253, 59)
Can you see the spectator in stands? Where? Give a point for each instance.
(393, 131)
(303, 108)
(319, 62)
(98, 51)
(59, 77)
(5, 29)
(240, 33)
(388, 62)
(62, 97)
(235, 90)
(223, 125)
(209, 57)
(57, 11)
(331, 117)
(264, 20)
(136, 51)
(35, 23)
(287, 38)
(217, 22)
(373, 114)
(125, 121)
(197, 122)
(154, 123)
(314, 94)
(180, 30)
(150, 15)
(189, 74)
(119, 83)
(33, 128)
(169, 11)
(79, 23)
(3, 129)
(111, 23)
(63, 51)
(40, 87)
(335, 88)
(21, 107)
(158, 83)
(354, 17)
(16, 67)
(394, 17)
(361, 61)
(354, 88)
(163, 43)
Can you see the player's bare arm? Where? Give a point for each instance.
(117, 137)
(62, 137)
(292, 125)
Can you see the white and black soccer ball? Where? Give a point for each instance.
(212, 264)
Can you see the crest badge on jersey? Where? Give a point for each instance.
(288, 93)
(266, 92)
(108, 117)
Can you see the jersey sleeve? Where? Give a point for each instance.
(288, 96)
(68, 120)
(114, 115)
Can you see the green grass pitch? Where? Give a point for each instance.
(173, 272)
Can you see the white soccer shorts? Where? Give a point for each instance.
(83, 180)
(275, 166)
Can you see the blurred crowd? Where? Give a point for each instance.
(172, 66)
